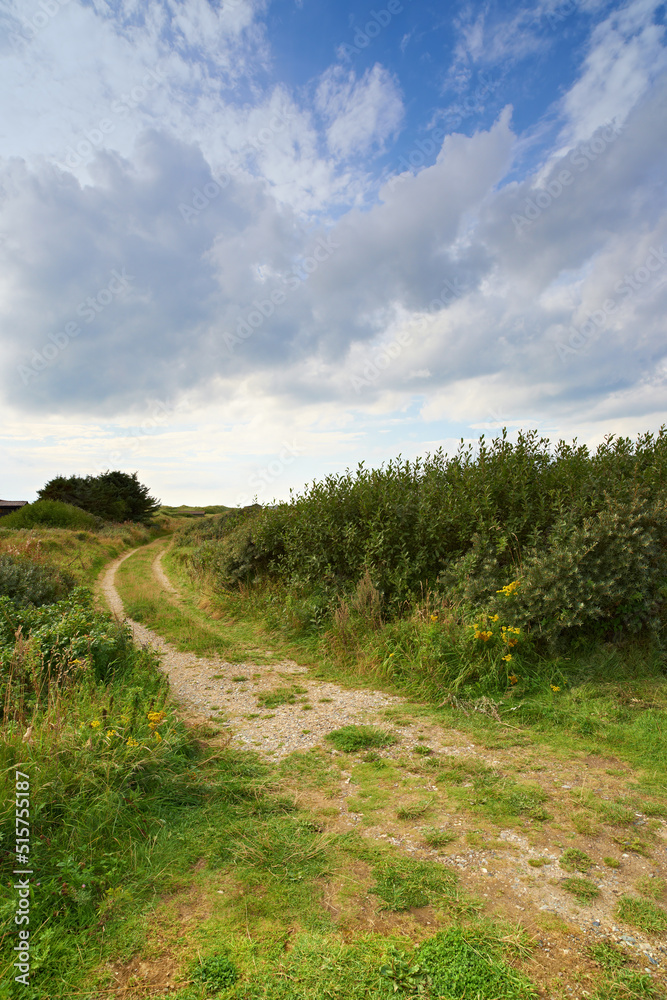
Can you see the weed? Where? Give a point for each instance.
(612, 862)
(642, 913)
(423, 750)
(350, 739)
(538, 862)
(574, 860)
(582, 888)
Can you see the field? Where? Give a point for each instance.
(334, 782)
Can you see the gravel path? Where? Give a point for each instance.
(227, 693)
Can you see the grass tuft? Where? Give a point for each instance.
(350, 739)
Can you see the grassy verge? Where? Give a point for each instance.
(80, 553)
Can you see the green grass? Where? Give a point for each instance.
(350, 739)
(643, 914)
(436, 837)
(183, 623)
(81, 553)
(401, 883)
(414, 811)
(651, 888)
(281, 696)
(582, 888)
(470, 963)
(574, 860)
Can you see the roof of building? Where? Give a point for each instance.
(13, 503)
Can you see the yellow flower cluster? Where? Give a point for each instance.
(509, 632)
(132, 743)
(509, 588)
(555, 687)
(95, 724)
(513, 679)
(483, 634)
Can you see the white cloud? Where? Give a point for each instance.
(360, 114)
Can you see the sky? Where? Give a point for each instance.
(248, 243)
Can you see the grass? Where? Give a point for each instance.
(574, 860)
(651, 888)
(643, 914)
(81, 553)
(401, 883)
(281, 696)
(187, 626)
(470, 962)
(584, 890)
(351, 739)
(437, 837)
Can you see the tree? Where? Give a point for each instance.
(114, 496)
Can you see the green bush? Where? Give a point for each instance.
(113, 496)
(602, 576)
(50, 514)
(24, 581)
(51, 646)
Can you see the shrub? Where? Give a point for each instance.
(603, 575)
(113, 496)
(50, 514)
(48, 647)
(26, 582)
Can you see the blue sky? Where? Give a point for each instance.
(247, 243)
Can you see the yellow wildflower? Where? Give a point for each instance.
(132, 743)
(157, 737)
(95, 724)
(555, 687)
(509, 588)
(157, 717)
(111, 732)
(507, 658)
(494, 618)
(484, 635)
(513, 679)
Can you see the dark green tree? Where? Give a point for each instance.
(114, 496)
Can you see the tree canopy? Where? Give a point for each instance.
(114, 496)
